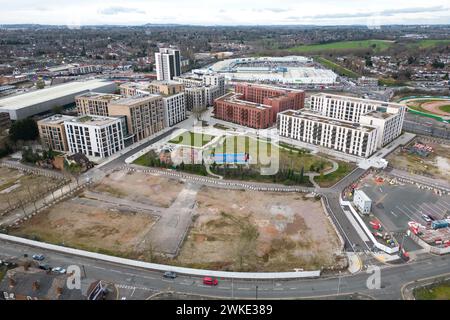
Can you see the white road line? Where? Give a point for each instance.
(404, 212)
(431, 208)
(392, 212)
(446, 207)
(243, 288)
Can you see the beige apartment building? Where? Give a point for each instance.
(53, 133)
(166, 87)
(94, 103)
(144, 114)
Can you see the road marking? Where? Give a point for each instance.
(431, 208)
(243, 288)
(392, 212)
(405, 213)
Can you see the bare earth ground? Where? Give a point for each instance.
(259, 231)
(232, 230)
(15, 186)
(90, 225)
(436, 165)
(144, 188)
(434, 107)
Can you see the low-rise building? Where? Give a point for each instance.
(362, 201)
(52, 132)
(94, 136)
(5, 121)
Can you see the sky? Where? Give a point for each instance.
(225, 12)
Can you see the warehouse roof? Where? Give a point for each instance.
(43, 95)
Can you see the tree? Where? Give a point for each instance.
(40, 84)
(26, 129)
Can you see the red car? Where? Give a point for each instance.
(210, 281)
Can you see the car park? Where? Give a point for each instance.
(59, 270)
(170, 275)
(38, 257)
(210, 281)
(45, 267)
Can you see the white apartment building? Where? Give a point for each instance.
(174, 108)
(168, 63)
(387, 117)
(311, 127)
(94, 136)
(215, 80)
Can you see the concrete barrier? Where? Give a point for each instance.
(163, 268)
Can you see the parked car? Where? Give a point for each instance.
(38, 257)
(45, 267)
(59, 270)
(426, 218)
(170, 275)
(210, 281)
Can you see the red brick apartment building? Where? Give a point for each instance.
(257, 106)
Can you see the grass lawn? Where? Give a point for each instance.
(445, 108)
(192, 139)
(2, 273)
(288, 159)
(377, 45)
(428, 43)
(332, 178)
(337, 68)
(390, 82)
(433, 292)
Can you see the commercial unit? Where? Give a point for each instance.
(314, 128)
(231, 107)
(44, 100)
(168, 63)
(362, 202)
(387, 117)
(144, 114)
(53, 133)
(94, 136)
(94, 103)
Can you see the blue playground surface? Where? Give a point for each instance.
(238, 158)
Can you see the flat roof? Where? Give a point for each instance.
(99, 96)
(93, 120)
(136, 99)
(40, 96)
(55, 119)
(364, 196)
(315, 116)
(233, 97)
(348, 98)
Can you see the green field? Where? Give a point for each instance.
(337, 68)
(434, 292)
(332, 178)
(428, 43)
(192, 139)
(377, 45)
(389, 82)
(445, 108)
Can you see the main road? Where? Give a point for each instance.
(135, 283)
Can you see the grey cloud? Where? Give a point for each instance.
(386, 13)
(118, 10)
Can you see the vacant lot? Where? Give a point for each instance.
(259, 231)
(189, 138)
(138, 187)
(436, 165)
(17, 186)
(91, 225)
(337, 68)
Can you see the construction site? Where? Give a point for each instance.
(143, 215)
